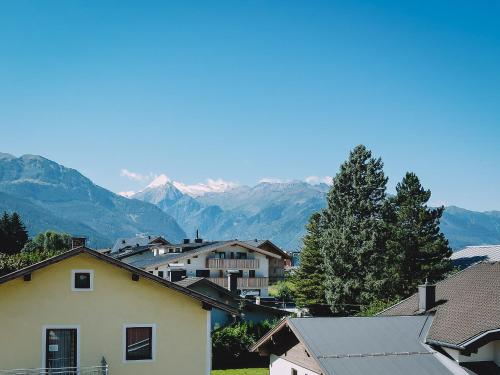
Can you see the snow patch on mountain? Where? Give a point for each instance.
(211, 186)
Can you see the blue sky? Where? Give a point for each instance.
(242, 90)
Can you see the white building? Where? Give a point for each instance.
(211, 260)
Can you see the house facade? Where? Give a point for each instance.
(252, 262)
(73, 310)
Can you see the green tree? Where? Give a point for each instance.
(309, 279)
(13, 233)
(49, 241)
(19, 233)
(4, 233)
(353, 234)
(418, 250)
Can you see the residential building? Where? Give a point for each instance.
(249, 311)
(75, 309)
(466, 326)
(354, 345)
(254, 261)
(138, 242)
(474, 254)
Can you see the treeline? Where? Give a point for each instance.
(18, 251)
(366, 249)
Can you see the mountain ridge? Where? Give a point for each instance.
(75, 203)
(51, 196)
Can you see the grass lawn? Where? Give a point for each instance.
(242, 371)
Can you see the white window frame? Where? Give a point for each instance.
(44, 341)
(153, 339)
(90, 272)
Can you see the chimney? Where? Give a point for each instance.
(426, 296)
(176, 275)
(186, 240)
(78, 242)
(232, 280)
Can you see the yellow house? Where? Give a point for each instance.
(75, 309)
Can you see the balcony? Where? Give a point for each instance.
(237, 264)
(243, 282)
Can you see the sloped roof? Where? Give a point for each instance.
(148, 260)
(136, 241)
(474, 254)
(84, 250)
(467, 305)
(373, 345)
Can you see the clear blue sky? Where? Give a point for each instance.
(248, 89)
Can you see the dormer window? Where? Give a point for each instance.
(82, 280)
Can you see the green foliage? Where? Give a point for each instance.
(11, 263)
(353, 234)
(372, 249)
(376, 307)
(309, 279)
(417, 249)
(284, 291)
(13, 233)
(230, 343)
(49, 240)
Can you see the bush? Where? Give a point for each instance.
(230, 345)
(11, 263)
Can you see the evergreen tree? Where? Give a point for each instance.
(19, 233)
(4, 229)
(13, 233)
(353, 234)
(417, 248)
(309, 279)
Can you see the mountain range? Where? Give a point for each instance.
(48, 195)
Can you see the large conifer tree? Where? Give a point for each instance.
(417, 248)
(353, 234)
(309, 278)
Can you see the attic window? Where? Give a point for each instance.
(82, 280)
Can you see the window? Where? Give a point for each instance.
(220, 255)
(241, 255)
(221, 273)
(82, 280)
(202, 273)
(294, 371)
(189, 261)
(251, 273)
(160, 274)
(170, 250)
(139, 342)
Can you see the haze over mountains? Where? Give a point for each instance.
(51, 196)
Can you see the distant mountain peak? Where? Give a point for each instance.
(158, 181)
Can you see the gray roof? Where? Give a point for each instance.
(188, 281)
(122, 243)
(370, 345)
(474, 254)
(467, 305)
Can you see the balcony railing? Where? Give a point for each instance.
(232, 263)
(243, 282)
(95, 370)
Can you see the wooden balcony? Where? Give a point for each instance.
(237, 264)
(243, 282)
